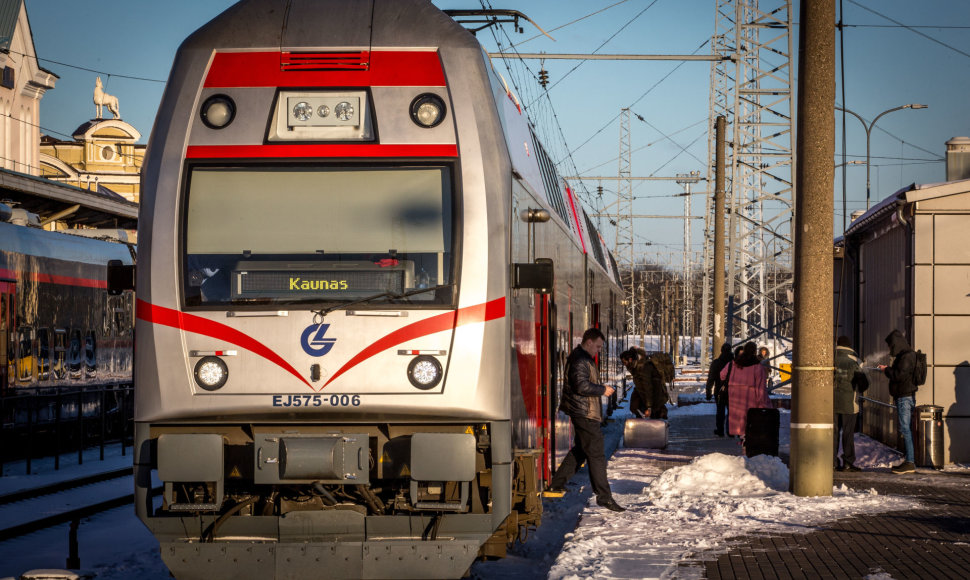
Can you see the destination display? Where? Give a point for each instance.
(337, 280)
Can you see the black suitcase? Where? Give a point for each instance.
(761, 432)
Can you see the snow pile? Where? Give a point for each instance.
(716, 475)
(692, 511)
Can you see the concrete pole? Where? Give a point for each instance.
(718, 291)
(813, 371)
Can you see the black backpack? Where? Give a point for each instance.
(919, 371)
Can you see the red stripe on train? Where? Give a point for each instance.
(198, 325)
(290, 150)
(53, 279)
(385, 69)
(447, 321)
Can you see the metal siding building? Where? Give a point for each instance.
(907, 267)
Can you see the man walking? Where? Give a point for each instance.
(903, 389)
(581, 401)
(849, 379)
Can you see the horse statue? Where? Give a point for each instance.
(102, 98)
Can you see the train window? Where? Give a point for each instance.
(43, 354)
(90, 353)
(25, 353)
(59, 361)
(74, 353)
(273, 235)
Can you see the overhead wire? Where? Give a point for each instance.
(910, 28)
(605, 42)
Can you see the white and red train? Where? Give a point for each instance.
(358, 278)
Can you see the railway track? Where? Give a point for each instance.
(30, 510)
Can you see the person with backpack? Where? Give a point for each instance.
(717, 387)
(902, 386)
(746, 388)
(649, 398)
(849, 380)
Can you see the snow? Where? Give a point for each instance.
(681, 509)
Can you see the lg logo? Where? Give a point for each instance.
(314, 341)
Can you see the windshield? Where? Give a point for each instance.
(318, 235)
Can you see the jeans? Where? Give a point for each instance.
(904, 411)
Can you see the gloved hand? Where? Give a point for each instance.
(709, 396)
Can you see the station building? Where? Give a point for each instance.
(905, 264)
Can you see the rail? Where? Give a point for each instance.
(48, 422)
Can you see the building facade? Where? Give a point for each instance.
(104, 156)
(23, 85)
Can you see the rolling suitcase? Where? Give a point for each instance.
(645, 433)
(761, 432)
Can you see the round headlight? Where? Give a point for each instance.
(218, 111)
(302, 111)
(424, 372)
(428, 110)
(323, 111)
(343, 111)
(211, 373)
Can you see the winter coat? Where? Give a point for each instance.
(582, 392)
(746, 390)
(847, 364)
(900, 374)
(714, 382)
(648, 384)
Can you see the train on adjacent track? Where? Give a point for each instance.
(359, 275)
(65, 343)
(60, 328)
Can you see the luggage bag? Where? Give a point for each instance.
(761, 432)
(645, 433)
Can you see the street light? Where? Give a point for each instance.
(868, 129)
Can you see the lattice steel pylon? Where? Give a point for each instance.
(753, 90)
(623, 249)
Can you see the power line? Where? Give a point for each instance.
(571, 23)
(910, 28)
(100, 72)
(640, 98)
(622, 28)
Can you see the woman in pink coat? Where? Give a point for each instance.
(746, 388)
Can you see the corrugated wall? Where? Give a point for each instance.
(883, 306)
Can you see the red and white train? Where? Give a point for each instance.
(359, 275)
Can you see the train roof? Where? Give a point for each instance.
(45, 198)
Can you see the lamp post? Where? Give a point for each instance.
(868, 128)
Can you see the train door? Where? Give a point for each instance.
(553, 356)
(8, 292)
(545, 386)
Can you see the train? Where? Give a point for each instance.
(63, 339)
(359, 275)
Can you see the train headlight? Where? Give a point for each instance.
(218, 111)
(211, 373)
(424, 372)
(302, 111)
(427, 110)
(344, 111)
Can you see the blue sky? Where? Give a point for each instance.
(886, 65)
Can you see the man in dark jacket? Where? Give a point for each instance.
(903, 389)
(717, 388)
(581, 400)
(849, 379)
(649, 394)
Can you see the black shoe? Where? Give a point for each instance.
(840, 467)
(904, 467)
(719, 433)
(611, 504)
(851, 468)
